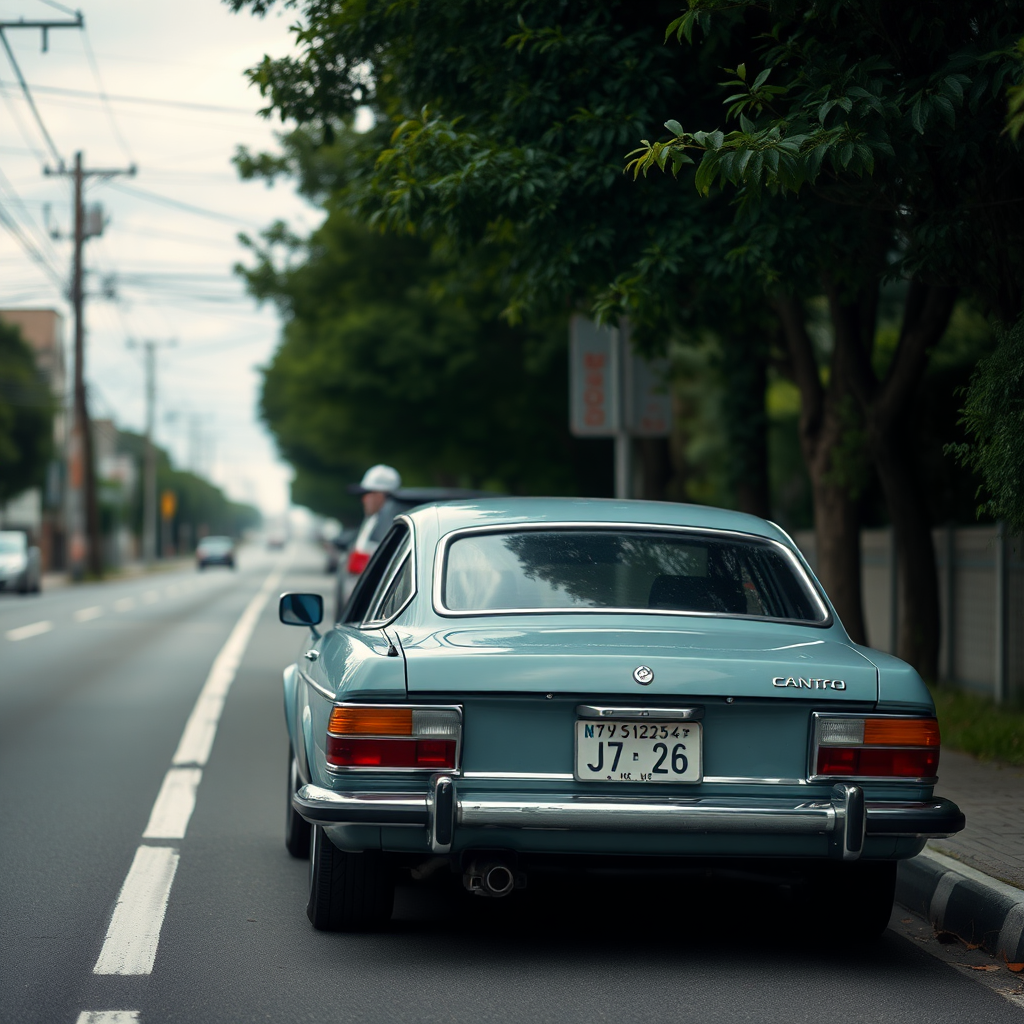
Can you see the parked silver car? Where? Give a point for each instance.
(20, 564)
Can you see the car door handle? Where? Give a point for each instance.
(311, 655)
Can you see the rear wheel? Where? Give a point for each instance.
(347, 891)
(296, 829)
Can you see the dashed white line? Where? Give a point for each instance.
(134, 932)
(174, 805)
(150, 597)
(32, 629)
(124, 604)
(108, 1017)
(85, 614)
(197, 739)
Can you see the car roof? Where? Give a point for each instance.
(462, 514)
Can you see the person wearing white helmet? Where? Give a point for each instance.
(378, 482)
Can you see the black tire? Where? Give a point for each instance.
(347, 891)
(296, 830)
(857, 898)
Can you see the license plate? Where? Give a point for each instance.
(638, 751)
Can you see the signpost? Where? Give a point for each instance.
(613, 392)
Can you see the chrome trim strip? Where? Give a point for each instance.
(326, 807)
(810, 583)
(366, 624)
(752, 780)
(609, 815)
(515, 776)
(588, 711)
(681, 814)
(322, 690)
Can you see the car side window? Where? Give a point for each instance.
(397, 588)
(376, 572)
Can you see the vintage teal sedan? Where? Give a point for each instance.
(517, 683)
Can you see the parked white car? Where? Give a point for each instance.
(20, 565)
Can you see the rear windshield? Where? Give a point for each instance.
(638, 571)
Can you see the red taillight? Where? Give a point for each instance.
(394, 736)
(879, 762)
(881, 748)
(357, 561)
(346, 752)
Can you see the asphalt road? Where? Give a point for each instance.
(92, 709)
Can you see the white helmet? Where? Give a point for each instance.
(379, 478)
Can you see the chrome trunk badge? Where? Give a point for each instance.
(643, 675)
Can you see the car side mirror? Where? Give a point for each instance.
(301, 609)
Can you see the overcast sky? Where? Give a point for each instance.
(179, 105)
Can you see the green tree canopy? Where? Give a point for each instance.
(389, 355)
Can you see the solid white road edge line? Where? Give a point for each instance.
(134, 932)
(197, 739)
(32, 629)
(174, 804)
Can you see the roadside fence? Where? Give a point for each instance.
(981, 593)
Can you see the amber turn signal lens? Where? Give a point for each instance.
(901, 732)
(352, 721)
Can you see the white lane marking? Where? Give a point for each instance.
(134, 932)
(172, 590)
(124, 604)
(197, 739)
(108, 1017)
(174, 804)
(150, 597)
(32, 629)
(85, 614)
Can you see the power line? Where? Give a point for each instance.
(125, 148)
(55, 90)
(199, 211)
(28, 96)
(15, 201)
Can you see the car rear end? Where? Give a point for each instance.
(695, 728)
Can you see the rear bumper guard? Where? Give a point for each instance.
(846, 818)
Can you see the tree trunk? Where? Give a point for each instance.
(885, 409)
(823, 425)
(920, 623)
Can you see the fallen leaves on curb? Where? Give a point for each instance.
(985, 967)
(906, 920)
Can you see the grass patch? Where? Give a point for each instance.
(972, 723)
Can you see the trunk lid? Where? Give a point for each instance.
(727, 659)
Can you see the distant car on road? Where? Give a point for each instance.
(523, 686)
(374, 528)
(20, 563)
(215, 551)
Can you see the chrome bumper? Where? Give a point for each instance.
(846, 818)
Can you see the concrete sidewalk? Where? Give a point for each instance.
(972, 884)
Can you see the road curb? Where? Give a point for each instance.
(959, 899)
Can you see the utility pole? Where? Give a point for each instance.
(149, 502)
(84, 527)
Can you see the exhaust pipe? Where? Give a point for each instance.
(493, 878)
